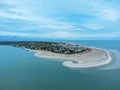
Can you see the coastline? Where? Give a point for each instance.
(91, 64)
(96, 57)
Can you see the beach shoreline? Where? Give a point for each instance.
(91, 64)
(96, 57)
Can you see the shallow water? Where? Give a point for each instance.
(21, 70)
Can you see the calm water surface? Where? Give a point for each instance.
(21, 70)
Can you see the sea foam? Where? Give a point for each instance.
(115, 64)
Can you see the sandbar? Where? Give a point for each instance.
(96, 57)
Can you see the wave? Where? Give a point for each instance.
(115, 64)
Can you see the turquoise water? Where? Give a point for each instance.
(21, 70)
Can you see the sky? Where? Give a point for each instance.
(60, 19)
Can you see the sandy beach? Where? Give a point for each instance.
(96, 57)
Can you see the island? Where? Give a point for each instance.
(72, 55)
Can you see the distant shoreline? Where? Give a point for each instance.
(94, 58)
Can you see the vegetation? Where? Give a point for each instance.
(62, 48)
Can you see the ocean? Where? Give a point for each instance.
(21, 70)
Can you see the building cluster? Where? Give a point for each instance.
(62, 48)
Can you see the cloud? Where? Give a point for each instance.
(93, 26)
(60, 35)
(59, 19)
(109, 14)
(6, 33)
(41, 21)
(45, 35)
